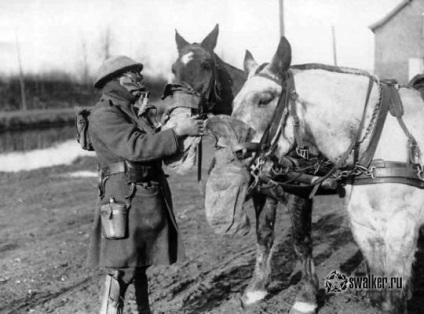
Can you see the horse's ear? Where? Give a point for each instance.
(209, 43)
(249, 62)
(181, 42)
(282, 57)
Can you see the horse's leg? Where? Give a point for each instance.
(385, 222)
(265, 208)
(300, 210)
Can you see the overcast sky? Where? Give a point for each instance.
(52, 33)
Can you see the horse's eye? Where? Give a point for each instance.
(206, 65)
(265, 99)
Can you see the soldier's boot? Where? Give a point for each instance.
(112, 301)
(141, 291)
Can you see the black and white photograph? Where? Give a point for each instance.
(212, 157)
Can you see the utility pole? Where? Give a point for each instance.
(333, 33)
(281, 3)
(21, 74)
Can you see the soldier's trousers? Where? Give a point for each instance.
(123, 277)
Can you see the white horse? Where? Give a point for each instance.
(336, 112)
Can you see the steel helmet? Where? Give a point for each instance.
(114, 66)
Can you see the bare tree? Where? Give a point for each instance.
(106, 42)
(85, 69)
(21, 73)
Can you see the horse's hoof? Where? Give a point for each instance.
(303, 308)
(252, 297)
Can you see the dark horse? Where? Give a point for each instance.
(203, 85)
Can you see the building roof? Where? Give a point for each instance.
(390, 15)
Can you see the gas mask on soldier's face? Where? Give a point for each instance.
(132, 82)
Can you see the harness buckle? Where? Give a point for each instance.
(371, 172)
(302, 152)
(294, 95)
(255, 172)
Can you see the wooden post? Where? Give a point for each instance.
(281, 3)
(333, 33)
(21, 74)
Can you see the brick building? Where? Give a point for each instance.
(399, 42)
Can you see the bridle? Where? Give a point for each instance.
(286, 106)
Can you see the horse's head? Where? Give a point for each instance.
(203, 84)
(193, 91)
(255, 104)
(195, 67)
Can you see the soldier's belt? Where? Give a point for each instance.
(115, 168)
(135, 172)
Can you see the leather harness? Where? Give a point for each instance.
(381, 171)
(366, 170)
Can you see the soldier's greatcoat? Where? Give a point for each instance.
(117, 134)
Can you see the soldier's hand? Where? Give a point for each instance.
(192, 126)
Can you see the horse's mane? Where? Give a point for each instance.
(331, 68)
(228, 73)
(221, 62)
(223, 73)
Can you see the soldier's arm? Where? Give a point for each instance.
(111, 127)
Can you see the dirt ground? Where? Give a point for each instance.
(45, 221)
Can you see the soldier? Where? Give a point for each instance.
(134, 225)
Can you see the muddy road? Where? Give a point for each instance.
(45, 221)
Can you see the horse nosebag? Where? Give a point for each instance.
(226, 190)
(228, 181)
